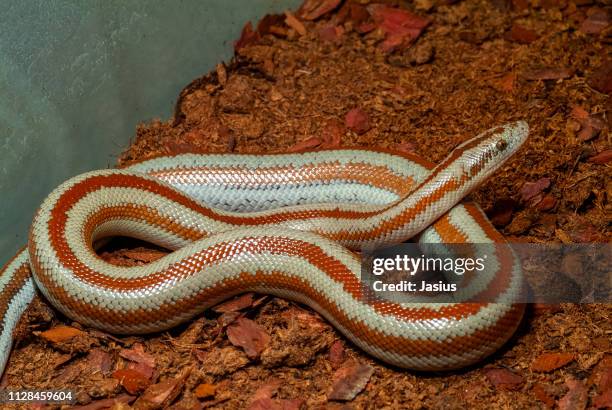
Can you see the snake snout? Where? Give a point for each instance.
(514, 135)
(484, 154)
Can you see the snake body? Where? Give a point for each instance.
(275, 224)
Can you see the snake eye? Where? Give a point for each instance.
(501, 145)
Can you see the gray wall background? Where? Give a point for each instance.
(76, 77)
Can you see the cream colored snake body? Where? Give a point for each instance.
(276, 224)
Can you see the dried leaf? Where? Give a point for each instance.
(171, 148)
(200, 355)
(522, 222)
(261, 300)
(263, 404)
(601, 376)
(138, 355)
(579, 113)
(541, 393)
(604, 400)
(294, 23)
(228, 318)
(205, 390)
(547, 203)
(64, 358)
(603, 343)
(142, 368)
(531, 189)
(140, 361)
(305, 145)
(366, 27)
(132, 380)
(522, 35)
(601, 79)
(577, 396)
(270, 24)
(73, 370)
(587, 133)
(313, 9)
(605, 383)
(548, 74)
(161, 394)
(520, 4)
(357, 120)
(349, 381)
(353, 12)
(400, 27)
(391, 18)
(262, 399)
(330, 32)
(597, 21)
(306, 319)
(336, 354)
(602, 158)
(504, 379)
(475, 36)
(507, 82)
(332, 133)
(586, 233)
(267, 390)
(100, 360)
(589, 126)
(550, 361)
(60, 333)
(249, 335)
(247, 37)
(292, 404)
(241, 302)
(406, 146)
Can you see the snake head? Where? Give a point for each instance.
(484, 154)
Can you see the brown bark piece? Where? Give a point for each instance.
(550, 361)
(249, 335)
(349, 381)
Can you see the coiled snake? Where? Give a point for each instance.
(276, 224)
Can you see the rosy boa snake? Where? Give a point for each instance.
(275, 224)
